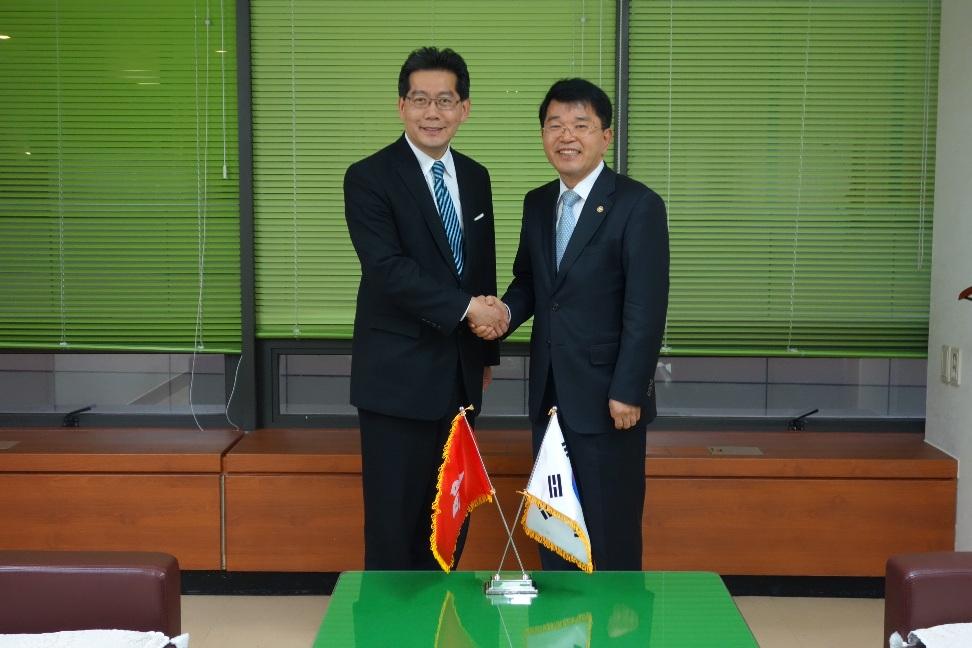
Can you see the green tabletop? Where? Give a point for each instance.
(433, 609)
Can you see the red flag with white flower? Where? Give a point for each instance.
(462, 486)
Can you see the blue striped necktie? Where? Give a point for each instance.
(447, 211)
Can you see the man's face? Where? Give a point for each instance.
(431, 127)
(573, 140)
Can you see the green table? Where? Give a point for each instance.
(432, 609)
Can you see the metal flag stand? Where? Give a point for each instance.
(512, 591)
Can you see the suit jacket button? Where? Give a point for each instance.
(548, 342)
(555, 306)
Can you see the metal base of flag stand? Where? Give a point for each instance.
(510, 591)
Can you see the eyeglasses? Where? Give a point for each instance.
(577, 130)
(421, 102)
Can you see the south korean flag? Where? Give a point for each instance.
(553, 516)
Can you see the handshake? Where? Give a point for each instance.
(488, 317)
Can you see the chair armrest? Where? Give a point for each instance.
(51, 591)
(927, 589)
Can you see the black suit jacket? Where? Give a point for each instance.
(408, 340)
(599, 320)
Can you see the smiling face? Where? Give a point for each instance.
(574, 155)
(431, 128)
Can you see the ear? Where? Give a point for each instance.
(464, 107)
(607, 136)
(401, 108)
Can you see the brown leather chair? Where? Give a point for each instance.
(52, 591)
(927, 589)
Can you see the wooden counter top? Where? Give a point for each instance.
(114, 450)
(670, 454)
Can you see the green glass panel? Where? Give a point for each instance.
(325, 79)
(119, 176)
(794, 145)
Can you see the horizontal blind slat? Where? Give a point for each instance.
(793, 143)
(331, 100)
(118, 120)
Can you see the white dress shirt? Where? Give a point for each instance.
(582, 189)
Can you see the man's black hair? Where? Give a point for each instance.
(581, 91)
(432, 58)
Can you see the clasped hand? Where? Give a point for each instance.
(488, 317)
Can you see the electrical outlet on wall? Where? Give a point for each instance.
(954, 365)
(946, 357)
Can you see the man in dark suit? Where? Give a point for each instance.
(592, 270)
(420, 217)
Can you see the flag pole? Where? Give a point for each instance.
(499, 509)
(513, 591)
(509, 541)
(518, 591)
(509, 535)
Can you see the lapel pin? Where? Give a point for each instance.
(600, 209)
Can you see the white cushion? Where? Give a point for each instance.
(93, 639)
(951, 635)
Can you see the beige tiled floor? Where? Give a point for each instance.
(252, 621)
(814, 622)
(292, 621)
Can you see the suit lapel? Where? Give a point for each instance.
(411, 175)
(547, 220)
(467, 199)
(597, 207)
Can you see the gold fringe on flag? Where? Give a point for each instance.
(531, 499)
(438, 492)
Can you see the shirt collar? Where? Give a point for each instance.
(583, 188)
(426, 161)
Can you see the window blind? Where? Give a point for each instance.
(325, 78)
(794, 144)
(119, 176)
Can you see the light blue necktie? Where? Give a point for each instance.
(566, 221)
(447, 211)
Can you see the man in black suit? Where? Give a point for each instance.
(592, 270)
(420, 217)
